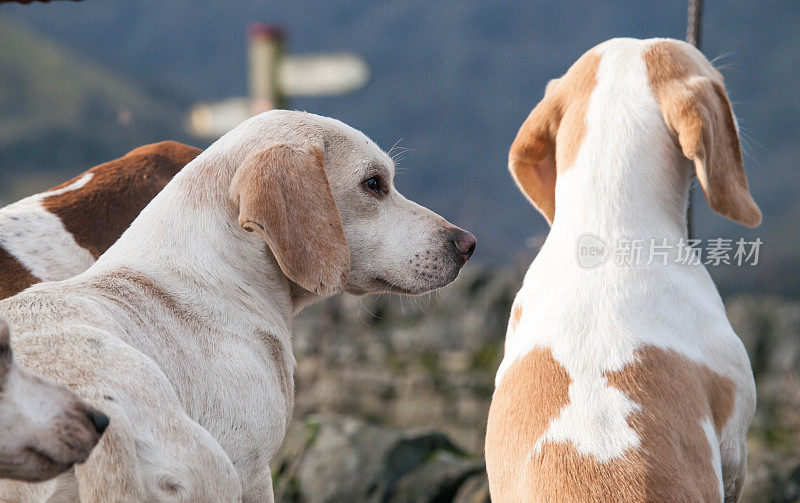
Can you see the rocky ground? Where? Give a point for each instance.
(392, 395)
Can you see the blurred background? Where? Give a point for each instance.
(449, 82)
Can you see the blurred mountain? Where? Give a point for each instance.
(61, 113)
(453, 80)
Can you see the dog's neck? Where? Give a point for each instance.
(629, 178)
(189, 237)
(625, 185)
(638, 196)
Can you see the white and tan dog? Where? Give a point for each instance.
(285, 209)
(44, 428)
(624, 382)
(59, 233)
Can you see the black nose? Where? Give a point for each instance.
(465, 243)
(99, 421)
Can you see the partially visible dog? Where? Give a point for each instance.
(44, 428)
(622, 378)
(282, 211)
(151, 450)
(57, 234)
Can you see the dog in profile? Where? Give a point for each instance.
(44, 428)
(188, 315)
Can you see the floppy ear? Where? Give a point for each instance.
(532, 158)
(699, 113)
(283, 194)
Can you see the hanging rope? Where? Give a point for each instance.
(694, 24)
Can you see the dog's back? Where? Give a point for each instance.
(57, 234)
(609, 405)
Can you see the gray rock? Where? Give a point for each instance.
(474, 490)
(332, 459)
(772, 479)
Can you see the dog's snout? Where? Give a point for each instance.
(465, 243)
(99, 421)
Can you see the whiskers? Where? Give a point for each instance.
(397, 153)
(750, 146)
(721, 65)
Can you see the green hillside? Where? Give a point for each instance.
(60, 113)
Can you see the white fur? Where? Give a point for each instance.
(232, 293)
(39, 240)
(713, 442)
(629, 181)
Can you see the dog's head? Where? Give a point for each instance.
(322, 196)
(691, 99)
(44, 428)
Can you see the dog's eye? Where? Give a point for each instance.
(374, 185)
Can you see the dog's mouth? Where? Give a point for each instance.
(57, 456)
(42, 465)
(43, 458)
(427, 271)
(419, 274)
(389, 286)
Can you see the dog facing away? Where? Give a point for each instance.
(624, 382)
(59, 233)
(285, 209)
(44, 428)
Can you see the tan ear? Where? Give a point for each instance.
(532, 158)
(283, 194)
(698, 111)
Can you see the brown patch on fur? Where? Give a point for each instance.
(99, 212)
(533, 391)
(673, 463)
(276, 354)
(516, 314)
(283, 194)
(15, 276)
(574, 89)
(548, 141)
(691, 96)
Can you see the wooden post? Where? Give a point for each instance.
(264, 57)
(273, 77)
(694, 25)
